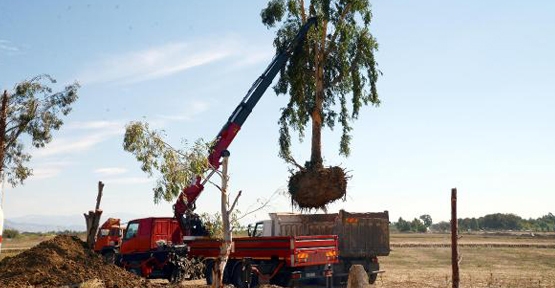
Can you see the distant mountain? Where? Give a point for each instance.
(40, 227)
(47, 223)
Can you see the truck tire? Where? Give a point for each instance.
(237, 278)
(109, 257)
(372, 278)
(208, 272)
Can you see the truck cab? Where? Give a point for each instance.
(143, 235)
(108, 239)
(260, 228)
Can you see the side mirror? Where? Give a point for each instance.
(249, 230)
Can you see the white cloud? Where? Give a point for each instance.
(128, 180)
(97, 132)
(110, 171)
(49, 169)
(7, 46)
(157, 62)
(192, 109)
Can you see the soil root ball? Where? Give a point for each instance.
(317, 187)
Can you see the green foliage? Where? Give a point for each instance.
(333, 75)
(214, 223)
(402, 225)
(10, 233)
(175, 167)
(427, 220)
(33, 110)
(417, 226)
(499, 221)
(442, 226)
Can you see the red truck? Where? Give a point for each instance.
(154, 248)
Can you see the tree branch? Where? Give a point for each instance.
(303, 14)
(290, 160)
(336, 32)
(264, 204)
(234, 202)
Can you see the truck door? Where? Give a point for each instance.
(130, 238)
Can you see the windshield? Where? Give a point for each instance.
(132, 229)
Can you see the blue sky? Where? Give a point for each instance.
(467, 102)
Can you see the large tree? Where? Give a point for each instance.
(32, 109)
(330, 79)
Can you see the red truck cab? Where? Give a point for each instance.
(143, 235)
(108, 239)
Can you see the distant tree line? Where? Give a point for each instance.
(490, 222)
(421, 224)
(14, 233)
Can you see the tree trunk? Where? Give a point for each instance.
(226, 247)
(92, 219)
(316, 115)
(3, 120)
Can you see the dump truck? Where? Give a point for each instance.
(363, 237)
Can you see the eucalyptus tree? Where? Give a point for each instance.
(174, 167)
(328, 81)
(29, 114)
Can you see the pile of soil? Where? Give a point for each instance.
(63, 260)
(316, 187)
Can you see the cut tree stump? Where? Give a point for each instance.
(92, 219)
(358, 278)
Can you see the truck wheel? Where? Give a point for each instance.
(372, 278)
(109, 257)
(135, 268)
(238, 279)
(208, 272)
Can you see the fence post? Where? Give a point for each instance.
(454, 239)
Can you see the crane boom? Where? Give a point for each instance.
(186, 200)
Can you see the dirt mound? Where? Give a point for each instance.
(63, 260)
(317, 187)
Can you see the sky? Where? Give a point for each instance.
(467, 102)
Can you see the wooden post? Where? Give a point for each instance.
(92, 219)
(454, 239)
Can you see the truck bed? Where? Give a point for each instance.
(297, 251)
(360, 234)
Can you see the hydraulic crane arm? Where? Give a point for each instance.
(187, 198)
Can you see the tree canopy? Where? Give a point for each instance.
(32, 109)
(174, 167)
(332, 76)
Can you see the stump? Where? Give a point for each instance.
(92, 219)
(358, 278)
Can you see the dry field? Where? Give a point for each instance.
(488, 260)
(424, 260)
